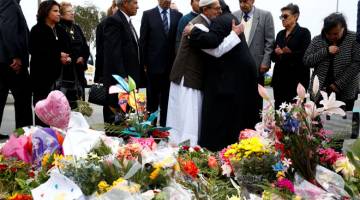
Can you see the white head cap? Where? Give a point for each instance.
(203, 3)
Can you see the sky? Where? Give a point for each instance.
(312, 12)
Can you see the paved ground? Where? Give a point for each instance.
(8, 122)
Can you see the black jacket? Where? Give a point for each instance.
(78, 47)
(289, 69)
(14, 33)
(158, 47)
(45, 52)
(121, 51)
(99, 62)
(229, 81)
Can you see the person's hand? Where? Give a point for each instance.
(264, 68)
(80, 61)
(333, 49)
(188, 28)
(334, 88)
(65, 59)
(16, 65)
(286, 50)
(238, 29)
(278, 50)
(145, 68)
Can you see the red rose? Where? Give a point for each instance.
(13, 169)
(197, 148)
(185, 148)
(3, 167)
(190, 168)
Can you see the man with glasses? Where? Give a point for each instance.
(185, 99)
(260, 36)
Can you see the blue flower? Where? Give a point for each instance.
(291, 125)
(278, 167)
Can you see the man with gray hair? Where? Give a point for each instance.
(121, 52)
(260, 37)
(185, 99)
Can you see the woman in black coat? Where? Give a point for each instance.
(290, 46)
(79, 53)
(47, 51)
(230, 85)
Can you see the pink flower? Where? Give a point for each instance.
(329, 156)
(301, 91)
(263, 93)
(212, 162)
(144, 142)
(223, 158)
(284, 183)
(247, 133)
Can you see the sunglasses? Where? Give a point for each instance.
(284, 17)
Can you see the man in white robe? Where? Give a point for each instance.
(185, 98)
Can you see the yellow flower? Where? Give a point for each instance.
(234, 198)
(103, 186)
(280, 174)
(155, 173)
(45, 160)
(297, 197)
(118, 181)
(177, 167)
(347, 169)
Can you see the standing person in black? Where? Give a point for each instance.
(158, 38)
(121, 52)
(47, 51)
(290, 46)
(79, 53)
(230, 85)
(14, 61)
(99, 62)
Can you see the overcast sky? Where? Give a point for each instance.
(312, 11)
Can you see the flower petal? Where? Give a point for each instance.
(263, 93)
(301, 91)
(315, 88)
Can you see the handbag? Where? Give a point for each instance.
(72, 89)
(97, 94)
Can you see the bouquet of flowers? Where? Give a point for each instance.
(202, 173)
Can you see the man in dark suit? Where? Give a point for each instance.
(14, 61)
(158, 37)
(121, 51)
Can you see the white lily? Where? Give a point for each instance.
(331, 105)
(301, 92)
(311, 110)
(316, 85)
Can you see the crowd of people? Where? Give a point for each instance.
(201, 70)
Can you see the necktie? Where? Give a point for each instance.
(165, 21)
(246, 17)
(136, 38)
(133, 31)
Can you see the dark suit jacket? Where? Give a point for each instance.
(121, 51)
(158, 48)
(99, 62)
(14, 33)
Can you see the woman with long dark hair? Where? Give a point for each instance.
(47, 51)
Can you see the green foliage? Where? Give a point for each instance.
(88, 17)
(101, 149)
(84, 108)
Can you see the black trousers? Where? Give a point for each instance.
(157, 94)
(19, 85)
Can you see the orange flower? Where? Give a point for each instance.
(190, 168)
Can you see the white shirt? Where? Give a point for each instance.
(227, 44)
(167, 14)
